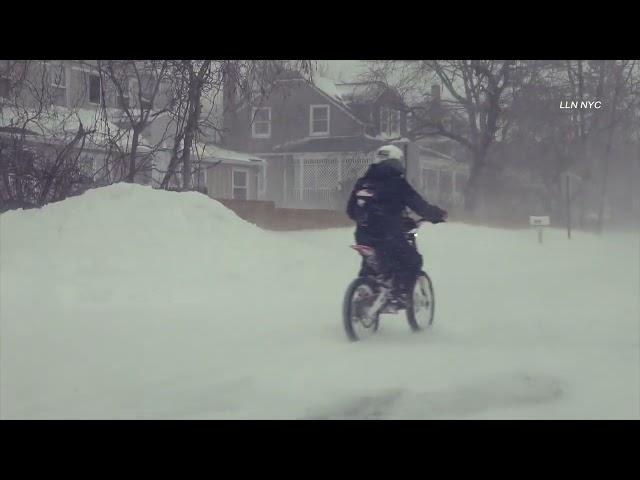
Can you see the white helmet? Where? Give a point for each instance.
(388, 152)
(391, 157)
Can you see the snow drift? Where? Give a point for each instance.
(129, 302)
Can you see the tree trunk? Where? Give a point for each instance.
(189, 135)
(472, 189)
(603, 186)
(171, 170)
(132, 156)
(186, 162)
(607, 153)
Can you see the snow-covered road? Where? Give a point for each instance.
(132, 303)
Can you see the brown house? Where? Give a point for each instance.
(317, 136)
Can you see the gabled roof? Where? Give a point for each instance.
(342, 95)
(61, 124)
(360, 92)
(326, 87)
(211, 153)
(434, 153)
(362, 143)
(353, 96)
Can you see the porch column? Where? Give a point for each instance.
(455, 183)
(301, 178)
(284, 180)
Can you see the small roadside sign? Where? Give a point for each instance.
(540, 222)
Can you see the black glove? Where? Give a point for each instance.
(442, 217)
(408, 224)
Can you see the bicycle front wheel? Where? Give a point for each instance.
(421, 303)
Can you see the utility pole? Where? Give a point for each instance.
(568, 208)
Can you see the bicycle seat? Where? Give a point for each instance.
(363, 250)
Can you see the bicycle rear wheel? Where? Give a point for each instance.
(360, 295)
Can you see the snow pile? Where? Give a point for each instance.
(110, 299)
(121, 232)
(129, 302)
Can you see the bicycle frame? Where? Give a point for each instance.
(369, 255)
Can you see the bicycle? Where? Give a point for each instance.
(368, 296)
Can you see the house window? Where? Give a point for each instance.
(95, 89)
(319, 120)
(87, 166)
(240, 184)
(430, 181)
(262, 182)
(143, 97)
(446, 183)
(5, 87)
(200, 177)
(261, 127)
(146, 103)
(123, 100)
(460, 181)
(57, 77)
(148, 92)
(389, 122)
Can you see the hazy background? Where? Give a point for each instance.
(347, 70)
(144, 272)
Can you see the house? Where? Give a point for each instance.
(441, 174)
(43, 104)
(229, 175)
(441, 178)
(302, 145)
(316, 136)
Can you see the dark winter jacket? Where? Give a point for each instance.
(384, 195)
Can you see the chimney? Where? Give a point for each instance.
(229, 97)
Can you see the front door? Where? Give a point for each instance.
(240, 184)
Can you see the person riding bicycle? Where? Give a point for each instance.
(378, 204)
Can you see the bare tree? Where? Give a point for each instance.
(475, 91)
(138, 86)
(196, 75)
(41, 143)
(196, 90)
(620, 83)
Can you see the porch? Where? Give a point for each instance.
(322, 180)
(441, 179)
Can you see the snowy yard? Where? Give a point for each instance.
(129, 302)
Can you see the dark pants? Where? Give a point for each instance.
(396, 258)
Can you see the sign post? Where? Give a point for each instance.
(540, 222)
(568, 208)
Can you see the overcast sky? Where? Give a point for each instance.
(344, 69)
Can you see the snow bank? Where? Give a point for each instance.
(122, 231)
(129, 302)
